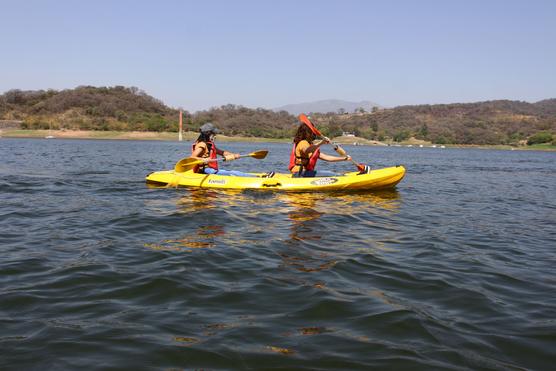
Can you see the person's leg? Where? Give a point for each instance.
(209, 170)
(223, 172)
(237, 173)
(313, 173)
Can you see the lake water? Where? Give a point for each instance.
(454, 269)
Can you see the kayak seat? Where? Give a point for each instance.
(270, 174)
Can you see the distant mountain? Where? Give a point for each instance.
(325, 106)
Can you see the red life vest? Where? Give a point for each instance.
(212, 155)
(310, 165)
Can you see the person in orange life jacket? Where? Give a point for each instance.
(205, 149)
(305, 154)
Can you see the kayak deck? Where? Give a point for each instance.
(376, 179)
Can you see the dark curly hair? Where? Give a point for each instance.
(304, 133)
(204, 137)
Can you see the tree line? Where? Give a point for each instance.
(492, 122)
(129, 108)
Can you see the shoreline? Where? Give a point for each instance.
(122, 135)
(191, 136)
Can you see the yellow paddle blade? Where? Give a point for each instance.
(186, 164)
(259, 155)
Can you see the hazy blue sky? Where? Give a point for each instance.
(198, 54)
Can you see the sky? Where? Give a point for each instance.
(268, 53)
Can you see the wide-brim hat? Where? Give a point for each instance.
(209, 128)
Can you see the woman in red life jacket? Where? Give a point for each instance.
(205, 149)
(305, 154)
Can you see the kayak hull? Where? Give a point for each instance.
(377, 179)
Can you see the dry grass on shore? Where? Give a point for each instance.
(121, 135)
(191, 136)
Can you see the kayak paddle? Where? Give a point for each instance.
(189, 163)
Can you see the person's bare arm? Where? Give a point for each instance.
(325, 157)
(199, 150)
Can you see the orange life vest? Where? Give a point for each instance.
(310, 164)
(212, 155)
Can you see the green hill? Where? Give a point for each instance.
(125, 109)
(88, 108)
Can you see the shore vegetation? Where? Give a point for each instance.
(130, 111)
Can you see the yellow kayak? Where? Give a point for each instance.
(377, 179)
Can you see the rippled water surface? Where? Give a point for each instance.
(454, 269)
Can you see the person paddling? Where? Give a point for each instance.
(304, 154)
(205, 149)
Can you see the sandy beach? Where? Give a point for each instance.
(120, 135)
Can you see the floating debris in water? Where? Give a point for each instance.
(183, 339)
(312, 330)
(284, 351)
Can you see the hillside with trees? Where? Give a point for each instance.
(128, 108)
(492, 122)
(88, 108)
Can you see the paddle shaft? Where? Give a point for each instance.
(342, 152)
(216, 159)
(189, 163)
(339, 150)
(224, 159)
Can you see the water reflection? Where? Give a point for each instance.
(303, 208)
(211, 213)
(308, 248)
(203, 237)
(341, 203)
(302, 211)
(197, 200)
